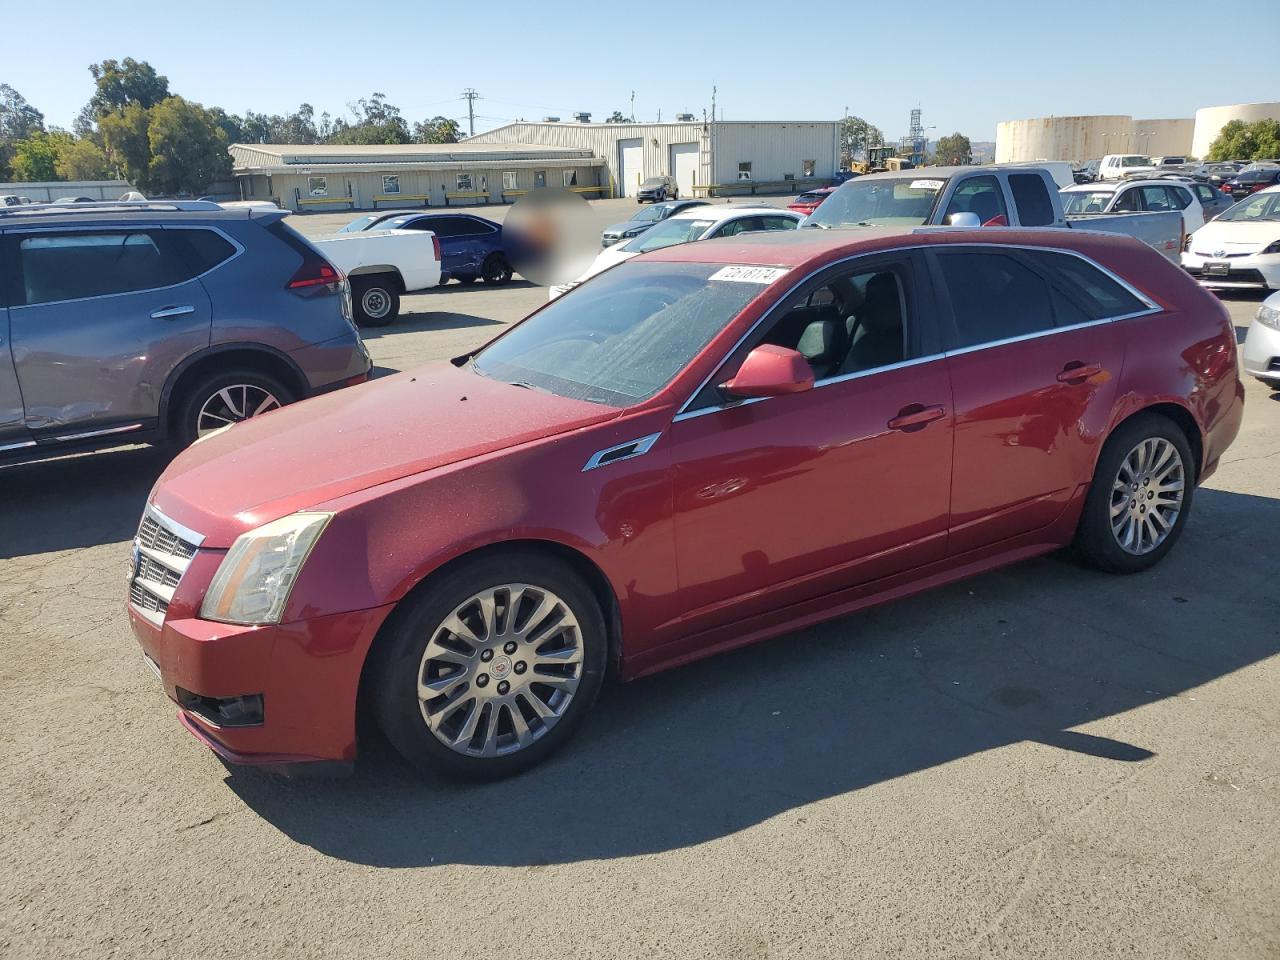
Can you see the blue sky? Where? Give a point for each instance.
(966, 70)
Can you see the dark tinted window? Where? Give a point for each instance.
(1100, 295)
(71, 266)
(1128, 202)
(994, 297)
(1035, 209)
(1181, 198)
(202, 250)
(466, 227)
(440, 226)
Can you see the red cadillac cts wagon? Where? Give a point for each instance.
(703, 447)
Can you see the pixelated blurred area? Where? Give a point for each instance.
(549, 236)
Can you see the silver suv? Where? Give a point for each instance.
(151, 321)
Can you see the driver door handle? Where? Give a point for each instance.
(1077, 372)
(916, 415)
(168, 313)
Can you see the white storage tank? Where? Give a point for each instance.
(1210, 121)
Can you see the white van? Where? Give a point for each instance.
(1117, 166)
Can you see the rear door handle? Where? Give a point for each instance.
(916, 415)
(1077, 372)
(167, 313)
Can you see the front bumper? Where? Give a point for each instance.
(1255, 271)
(307, 674)
(1261, 353)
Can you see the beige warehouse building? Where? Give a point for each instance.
(721, 156)
(333, 177)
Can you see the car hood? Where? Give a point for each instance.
(340, 443)
(617, 229)
(1235, 236)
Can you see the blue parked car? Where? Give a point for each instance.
(471, 247)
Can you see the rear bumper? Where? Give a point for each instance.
(333, 364)
(307, 674)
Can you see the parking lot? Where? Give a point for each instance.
(1040, 762)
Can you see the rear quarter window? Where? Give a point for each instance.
(201, 249)
(1100, 295)
(1035, 209)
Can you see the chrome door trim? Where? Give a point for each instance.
(638, 448)
(127, 428)
(20, 445)
(167, 313)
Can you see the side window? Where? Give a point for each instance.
(734, 227)
(854, 323)
(1101, 296)
(981, 196)
(1156, 198)
(202, 250)
(1128, 202)
(441, 226)
(1206, 192)
(466, 227)
(994, 297)
(1031, 197)
(778, 223)
(67, 266)
(1181, 198)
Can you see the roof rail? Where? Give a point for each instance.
(112, 206)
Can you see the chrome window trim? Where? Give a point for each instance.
(641, 446)
(239, 247)
(186, 533)
(684, 413)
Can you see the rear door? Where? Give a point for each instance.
(13, 431)
(1034, 364)
(103, 316)
(453, 245)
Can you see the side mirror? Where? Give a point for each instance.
(965, 219)
(770, 371)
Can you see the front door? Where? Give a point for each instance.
(1034, 363)
(790, 498)
(105, 315)
(13, 432)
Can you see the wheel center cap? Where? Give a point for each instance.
(500, 667)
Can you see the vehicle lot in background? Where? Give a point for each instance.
(1000, 767)
(806, 203)
(1140, 194)
(471, 247)
(644, 219)
(1251, 181)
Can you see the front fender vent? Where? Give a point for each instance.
(623, 451)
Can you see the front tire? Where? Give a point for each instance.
(490, 669)
(1140, 497)
(224, 398)
(376, 300)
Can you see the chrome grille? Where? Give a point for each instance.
(162, 551)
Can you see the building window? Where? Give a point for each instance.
(390, 183)
(809, 166)
(250, 181)
(570, 178)
(317, 186)
(539, 178)
(744, 171)
(509, 180)
(482, 182)
(464, 182)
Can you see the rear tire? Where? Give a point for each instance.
(496, 270)
(376, 300)
(1136, 508)
(435, 691)
(223, 398)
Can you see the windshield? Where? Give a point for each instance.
(867, 202)
(1086, 201)
(668, 233)
(650, 214)
(362, 223)
(653, 182)
(395, 223)
(622, 336)
(1261, 206)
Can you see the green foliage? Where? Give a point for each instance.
(617, 117)
(118, 84)
(36, 158)
(955, 150)
(436, 130)
(18, 121)
(1259, 140)
(856, 135)
(188, 148)
(376, 121)
(81, 159)
(127, 145)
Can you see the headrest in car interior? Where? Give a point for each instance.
(820, 342)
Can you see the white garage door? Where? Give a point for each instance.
(684, 167)
(630, 165)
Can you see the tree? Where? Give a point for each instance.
(229, 124)
(18, 121)
(126, 142)
(81, 159)
(856, 135)
(35, 159)
(118, 84)
(376, 121)
(617, 117)
(1237, 140)
(955, 150)
(436, 130)
(188, 148)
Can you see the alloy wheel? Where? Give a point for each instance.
(233, 403)
(1147, 496)
(501, 670)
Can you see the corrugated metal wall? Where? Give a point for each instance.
(775, 150)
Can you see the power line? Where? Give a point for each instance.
(471, 97)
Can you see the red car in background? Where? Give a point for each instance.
(808, 202)
(704, 447)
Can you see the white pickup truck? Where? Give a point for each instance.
(988, 196)
(381, 265)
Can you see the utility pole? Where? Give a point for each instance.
(471, 97)
(633, 106)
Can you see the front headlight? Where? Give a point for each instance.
(252, 585)
(1269, 317)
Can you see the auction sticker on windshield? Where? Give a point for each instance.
(926, 184)
(743, 274)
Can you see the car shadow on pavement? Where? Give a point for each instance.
(428, 321)
(79, 500)
(1023, 654)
